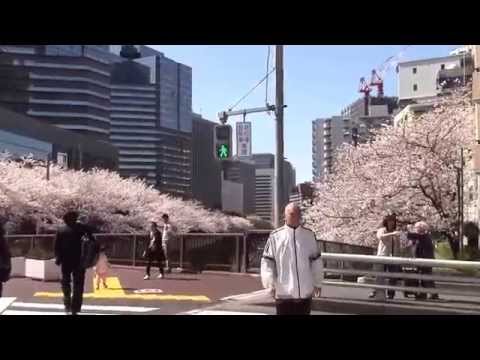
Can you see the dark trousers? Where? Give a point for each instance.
(392, 281)
(293, 307)
(151, 258)
(73, 302)
(426, 283)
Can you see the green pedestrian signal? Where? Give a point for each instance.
(222, 142)
(223, 152)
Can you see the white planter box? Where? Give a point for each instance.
(18, 266)
(42, 269)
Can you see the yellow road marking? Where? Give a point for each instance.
(115, 291)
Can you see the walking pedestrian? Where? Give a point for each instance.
(389, 240)
(154, 251)
(168, 233)
(5, 259)
(291, 265)
(68, 255)
(424, 249)
(102, 267)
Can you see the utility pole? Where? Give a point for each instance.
(278, 201)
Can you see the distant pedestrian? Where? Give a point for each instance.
(389, 240)
(5, 260)
(68, 254)
(154, 251)
(102, 267)
(291, 265)
(168, 234)
(424, 249)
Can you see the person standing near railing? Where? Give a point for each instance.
(291, 266)
(389, 240)
(154, 252)
(168, 233)
(5, 259)
(424, 249)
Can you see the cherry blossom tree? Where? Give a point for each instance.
(109, 203)
(411, 170)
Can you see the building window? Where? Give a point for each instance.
(414, 70)
(442, 66)
(415, 87)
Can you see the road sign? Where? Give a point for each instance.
(244, 139)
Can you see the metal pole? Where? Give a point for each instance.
(245, 254)
(460, 201)
(48, 166)
(134, 257)
(182, 247)
(237, 253)
(279, 156)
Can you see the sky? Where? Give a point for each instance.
(319, 81)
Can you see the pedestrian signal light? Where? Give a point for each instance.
(223, 142)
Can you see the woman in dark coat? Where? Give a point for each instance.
(5, 259)
(424, 249)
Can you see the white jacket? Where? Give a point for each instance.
(291, 263)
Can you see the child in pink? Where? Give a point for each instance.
(101, 268)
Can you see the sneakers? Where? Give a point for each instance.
(146, 277)
(160, 276)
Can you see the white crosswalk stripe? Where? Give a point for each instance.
(12, 307)
(220, 312)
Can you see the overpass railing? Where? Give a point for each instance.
(236, 252)
(448, 283)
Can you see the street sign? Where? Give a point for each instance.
(244, 139)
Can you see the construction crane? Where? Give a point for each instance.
(376, 79)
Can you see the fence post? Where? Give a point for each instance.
(134, 257)
(245, 254)
(237, 253)
(182, 249)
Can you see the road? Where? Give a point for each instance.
(128, 293)
(209, 293)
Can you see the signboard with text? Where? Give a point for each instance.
(244, 139)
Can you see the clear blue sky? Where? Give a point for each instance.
(319, 82)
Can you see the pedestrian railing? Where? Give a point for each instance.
(236, 252)
(451, 283)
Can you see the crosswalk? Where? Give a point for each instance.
(9, 306)
(220, 312)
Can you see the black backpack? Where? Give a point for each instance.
(90, 251)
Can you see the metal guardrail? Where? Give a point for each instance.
(374, 262)
(237, 252)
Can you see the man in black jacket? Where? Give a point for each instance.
(68, 252)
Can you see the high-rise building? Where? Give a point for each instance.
(21, 135)
(143, 106)
(206, 169)
(265, 185)
(71, 92)
(238, 187)
(327, 135)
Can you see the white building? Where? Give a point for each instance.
(419, 79)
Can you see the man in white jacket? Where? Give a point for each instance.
(291, 265)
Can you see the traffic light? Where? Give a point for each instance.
(223, 142)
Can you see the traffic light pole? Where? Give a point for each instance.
(278, 108)
(279, 156)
